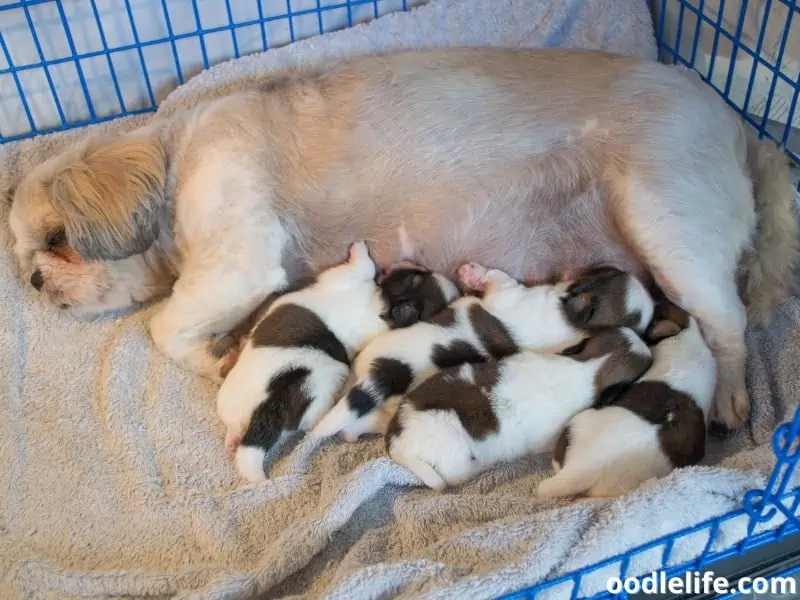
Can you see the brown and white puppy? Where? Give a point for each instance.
(410, 292)
(538, 162)
(654, 426)
(297, 358)
(508, 317)
(464, 420)
(413, 293)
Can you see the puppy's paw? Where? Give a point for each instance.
(472, 276)
(358, 253)
(232, 440)
(349, 436)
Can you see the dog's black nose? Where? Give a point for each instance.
(37, 280)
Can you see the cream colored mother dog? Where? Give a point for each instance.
(533, 162)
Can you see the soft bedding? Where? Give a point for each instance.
(115, 482)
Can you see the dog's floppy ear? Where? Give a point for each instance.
(110, 198)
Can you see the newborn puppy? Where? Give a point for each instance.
(297, 357)
(656, 425)
(466, 419)
(508, 317)
(411, 293)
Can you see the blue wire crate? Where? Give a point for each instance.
(69, 64)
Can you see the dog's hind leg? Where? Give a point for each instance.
(690, 232)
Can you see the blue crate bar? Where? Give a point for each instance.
(37, 40)
(49, 83)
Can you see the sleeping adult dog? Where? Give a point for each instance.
(535, 162)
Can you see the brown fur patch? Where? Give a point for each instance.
(621, 367)
(668, 320)
(682, 428)
(492, 333)
(445, 318)
(292, 326)
(448, 391)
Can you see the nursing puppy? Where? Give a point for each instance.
(297, 358)
(653, 427)
(510, 316)
(413, 293)
(464, 420)
(410, 293)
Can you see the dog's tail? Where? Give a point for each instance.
(766, 270)
(264, 430)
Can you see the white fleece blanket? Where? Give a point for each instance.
(114, 480)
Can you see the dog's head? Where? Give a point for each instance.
(608, 297)
(80, 212)
(414, 294)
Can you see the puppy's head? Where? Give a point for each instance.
(415, 294)
(625, 358)
(608, 297)
(95, 203)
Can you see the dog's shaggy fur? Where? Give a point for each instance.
(538, 163)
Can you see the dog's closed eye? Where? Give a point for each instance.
(55, 238)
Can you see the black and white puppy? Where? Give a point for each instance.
(653, 427)
(507, 318)
(410, 291)
(296, 358)
(413, 293)
(464, 420)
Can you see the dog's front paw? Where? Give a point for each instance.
(731, 410)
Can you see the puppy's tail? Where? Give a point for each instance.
(264, 430)
(766, 269)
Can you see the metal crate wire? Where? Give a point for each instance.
(69, 64)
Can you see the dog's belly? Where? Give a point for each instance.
(529, 241)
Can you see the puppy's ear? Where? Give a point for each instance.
(405, 314)
(660, 330)
(579, 308)
(110, 198)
